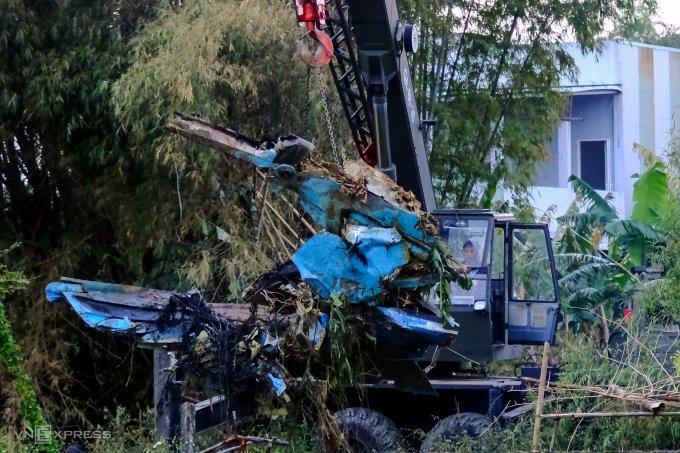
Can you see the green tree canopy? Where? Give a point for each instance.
(488, 72)
(644, 26)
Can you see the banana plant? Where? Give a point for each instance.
(596, 249)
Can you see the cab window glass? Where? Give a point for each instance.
(467, 239)
(498, 262)
(532, 278)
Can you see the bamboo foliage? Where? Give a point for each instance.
(631, 378)
(91, 187)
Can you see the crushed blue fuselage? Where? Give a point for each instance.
(367, 238)
(354, 268)
(373, 243)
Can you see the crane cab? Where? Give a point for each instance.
(513, 300)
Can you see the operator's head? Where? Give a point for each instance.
(469, 252)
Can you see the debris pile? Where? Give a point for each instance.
(357, 288)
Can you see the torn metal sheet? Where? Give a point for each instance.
(409, 329)
(136, 311)
(340, 200)
(353, 271)
(277, 383)
(317, 331)
(119, 308)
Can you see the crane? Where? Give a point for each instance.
(514, 298)
(369, 45)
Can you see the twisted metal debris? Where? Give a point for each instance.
(376, 256)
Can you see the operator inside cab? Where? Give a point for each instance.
(468, 240)
(470, 255)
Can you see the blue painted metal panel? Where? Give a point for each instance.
(351, 271)
(278, 385)
(535, 335)
(119, 309)
(262, 160)
(406, 328)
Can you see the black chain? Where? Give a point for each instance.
(305, 129)
(308, 103)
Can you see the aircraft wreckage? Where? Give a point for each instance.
(377, 255)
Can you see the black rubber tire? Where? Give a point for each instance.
(369, 431)
(74, 449)
(462, 424)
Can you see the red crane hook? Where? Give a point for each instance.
(310, 13)
(323, 53)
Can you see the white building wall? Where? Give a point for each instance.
(645, 81)
(663, 124)
(626, 161)
(674, 89)
(564, 169)
(595, 69)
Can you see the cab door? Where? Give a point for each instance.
(533, 300)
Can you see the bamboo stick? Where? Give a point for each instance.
(297, 213)
(614, 392)
(276, 213)
(605, 326)
(536, 442)
(284, 240)
(265, 193)
(554, 435)
(300, 216)
(608, 414)
(273, 241)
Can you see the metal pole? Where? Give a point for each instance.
(382, 135)
(166, 397)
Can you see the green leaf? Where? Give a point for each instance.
(634, 229)
(492, 185)
(10, 357)
(337, 303)
(585, 274)
(650, 195)
(637, 237)
(594, 202)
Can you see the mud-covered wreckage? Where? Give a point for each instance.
(377, 254)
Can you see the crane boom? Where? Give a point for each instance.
(372, 75)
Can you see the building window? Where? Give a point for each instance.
(593, 163)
